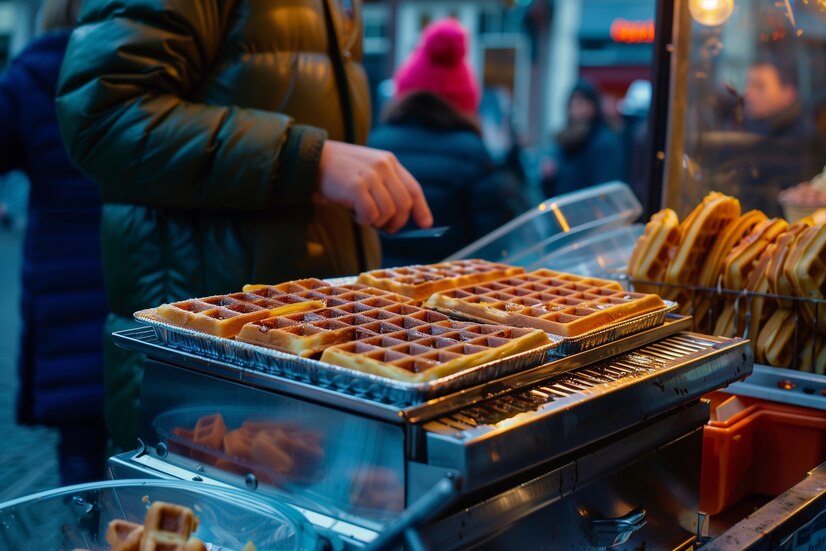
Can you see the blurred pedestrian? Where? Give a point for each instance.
(587, 151)
(218, 133)
(431, 125)
(63, 303)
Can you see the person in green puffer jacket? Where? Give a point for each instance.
(218, 133)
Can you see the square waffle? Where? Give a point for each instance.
(561, 304)
(308, 333)
(225, 315)
(420, 281)
(432, 350)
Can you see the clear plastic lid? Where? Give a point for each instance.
(604, 254)
(77, 517)
(556, 222)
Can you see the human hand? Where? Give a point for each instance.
(373, 184)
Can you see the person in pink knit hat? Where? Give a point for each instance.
(439, 65)
(432, 128)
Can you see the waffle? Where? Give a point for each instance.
(168, 527)
(778, 281)
(775, 342)
(433, 350)
(813, 355)
(123, 535)
(309, 333)
(557, 303)
(742, 259)
(698, 233)
(732, 235)
(653, 251)
(420, 281)
(225, 315)
(762, 308)
(806, 269)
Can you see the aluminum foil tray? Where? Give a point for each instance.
(333, 377)
(598, 337)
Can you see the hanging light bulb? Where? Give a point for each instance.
(711, 13)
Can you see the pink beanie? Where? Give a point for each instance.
(438, 65)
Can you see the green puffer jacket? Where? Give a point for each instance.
(203, 123)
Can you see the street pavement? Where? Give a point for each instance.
(28, 459)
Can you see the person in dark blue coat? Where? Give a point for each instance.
(63, 303)
(431, 126)
(586, 152)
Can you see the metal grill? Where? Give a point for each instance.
(596, 378)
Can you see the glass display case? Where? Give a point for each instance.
(747, 109)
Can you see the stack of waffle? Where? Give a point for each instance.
(380, 326)
(718, 247)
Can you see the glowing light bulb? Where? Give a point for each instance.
(711, 13)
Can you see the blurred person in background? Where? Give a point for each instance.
(431, 125)
(788, 150)
(587, 151)
(223, 138)
(63, 302)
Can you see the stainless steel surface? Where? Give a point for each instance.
(305, 370)
(794, 521)
(145, 340)
(645, 467)
(788, 386)
(491, 440)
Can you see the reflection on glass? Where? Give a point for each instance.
(756, 107)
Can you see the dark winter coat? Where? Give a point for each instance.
(596, 161)
(203, 123)
(63, 303)
(464, 188)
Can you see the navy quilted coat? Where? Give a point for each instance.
(63, 300)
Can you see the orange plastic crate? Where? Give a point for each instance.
(753, 446)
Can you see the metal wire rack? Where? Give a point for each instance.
(798, 374)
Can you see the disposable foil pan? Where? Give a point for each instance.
(565, 346)
(341, 379)
(598, 337)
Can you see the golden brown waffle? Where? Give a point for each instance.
(812, 356)
(698, 233)
(225, 315)
(557, 303)
(433, 350)
(743, 258)
(778, 282)
(775, 343)
(123, 535)
(714, 263)
(420, 281)
(308, 333)
(653, 251)
(762, 308)
(805, 268)
(168, 527)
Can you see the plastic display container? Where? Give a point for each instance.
(557, 222)
(76, 517)
(753, 446)
(602, 255)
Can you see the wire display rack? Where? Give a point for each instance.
(795, 370)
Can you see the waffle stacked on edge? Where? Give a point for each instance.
(765, 257)
(557, 303)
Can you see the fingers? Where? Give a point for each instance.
(366, 210)
(384, 200)
(403, 202)
(419, 208)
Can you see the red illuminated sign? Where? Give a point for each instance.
(632, 32)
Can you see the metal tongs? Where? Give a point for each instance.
(416, 234)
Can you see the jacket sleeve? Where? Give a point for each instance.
(126, 120)
(11, 143)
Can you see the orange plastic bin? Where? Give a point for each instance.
(753, 446)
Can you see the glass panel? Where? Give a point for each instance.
(750, 104)
(348, 465)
